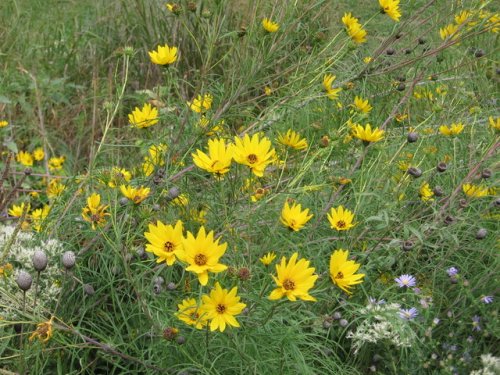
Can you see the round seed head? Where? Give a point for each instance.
(486, 173)
(173, 193)
(123, 201)
(24, 280)
(438, 191)
(171, 286)
(244, 274)
(181, 340)
(415, 172)
(408, 245)
(336, 315)
(401, 87)
(157, 288)
(390, 51)
(158, 280)
(441, 167)
(39, 261)
(88, 289)
(481, 233)
(343, 322)
(327, 324)
(68, 260)
(412, 137)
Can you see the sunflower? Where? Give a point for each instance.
(218, 159)
(341, 218)
(343, 271)
(189, 312)
(391, 8)
(165, 241)
(270, 26)
(293, 140)
(136, 195)
(164, 55)
(366, 134)
(294, 217)
(221, 306)
(253, 152)
(144, 117)
(95, 212)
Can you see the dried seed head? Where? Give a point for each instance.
(486, 173)
(401, 87)
(390, 51)
(343, 322)
(463, 203)
(170, 333)
(24, 280)
(157, 288)
(412, 137)
(88, 289)
(415, 172)
(158, 280)
(408, 245)
(173, 193)
(438, 191)
(171, 286)
(39, 261)
(441, 167)
(244, 274)
(181, 340)
(336, 315)
(68, 260)
(449, 220)
(481, 233)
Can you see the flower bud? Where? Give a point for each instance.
(24, 280)
(157, 288)
(68, 260)
(481, 234)
(39, 261)
(449, 220)
(88, 289)
(173, 193)
(415, 172)
(171, 286)
(479, 53)
(401, 87)
(486, 173)
(337, 315)
(343, 322)
(412, 137)
(123, 201)
(408, 245)
(158, 280)
(438, 191)
(441, 167)
(181, 340)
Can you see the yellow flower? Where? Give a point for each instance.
(119, 175)
(332, 93)
(38, 154)
(3, 123)
(43, 331)
(25, 158)
(221, 307)
(189, 312)
(343, 271)
(254, 152)
(268, 91)
(55, 189)
(56, 163)
(426, 192)
(95, 212)
(474, 191)
(258, 194)
(17, 211)
(367, 59)
(453, 129)
(294, 280)
(354, 28)
(348, 20)
(201, 104)
(181, 201)
(270, 26)
(202, 254)
(165, 241)
(268, 259)
(341, 218)
(400, 117)
(366, 134)
(494, 123)
(391, 8)
(293, 217)
(38, 216)
(362, 105)
(143, 118)
(462, 17)
(449, 31)
(155, 158)
(164, 55)
(293, 140)
(136, 195)
(218, 159)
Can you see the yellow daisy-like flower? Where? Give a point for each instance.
(201, 104)
(354, 28)
(119, 175)
(362, 105)
(270, 26)
(348, 20)
(463, 17)
(391, 8)
(155, 158)
(165, 241)
(494, 123)
(343, 271)
(136, 195)
(453, 129)
(56, 163)
(449, 31)
(293, 217)
(218, 160)
(268, 258)
(474, 191)
(367, 59)
(143, 118)
(38, 154)
(164, 55)
(426, 192)
(332, 93)
(366, 134)
(55, 189)
(253, 152)
(189, 312)
(221, 306)
(25, 158)
(202, 254)
(341, 218)
(38, 216)
(3, 123)
(294, 280)
(43, 331)
(17, 211)
(293, 140)
(95, 212)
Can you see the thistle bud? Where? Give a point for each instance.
(24, 280)
(68, 260)
(39, 261)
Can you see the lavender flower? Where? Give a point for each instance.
(408, 314)
(475, 323)
(487, 299)
(452, 271)
(406, 281)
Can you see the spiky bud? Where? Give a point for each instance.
(24, 280)
(39, 261)
(68, 260)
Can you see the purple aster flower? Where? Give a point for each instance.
(406, 281)
(417, 290)
(452, 271)
(408, 314)
(475, 323)
(487, 299)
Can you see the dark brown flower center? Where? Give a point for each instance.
(95, 218)
(220, 308)
(289, 284)
(340, 275)
(252, 158)
(169, 247)
(341, 224)
(200, 259)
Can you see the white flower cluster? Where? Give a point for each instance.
(380, 324)
(20, 255)
(491, 365)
